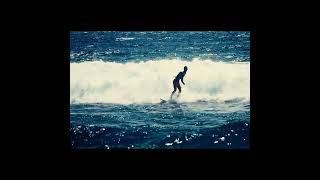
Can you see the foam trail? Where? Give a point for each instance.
(147, 82)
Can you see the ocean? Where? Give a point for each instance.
(118, 78)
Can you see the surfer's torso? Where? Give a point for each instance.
(179, 76)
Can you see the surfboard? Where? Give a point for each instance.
(163, 101)
(171, 101)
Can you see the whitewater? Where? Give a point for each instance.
(148, 81)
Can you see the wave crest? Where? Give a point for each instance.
(147, 82)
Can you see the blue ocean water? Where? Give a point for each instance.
(118, 78)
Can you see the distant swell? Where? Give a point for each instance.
(147, 82)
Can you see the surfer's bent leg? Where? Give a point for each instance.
(174, 89)
(173, 92)
(179, 87)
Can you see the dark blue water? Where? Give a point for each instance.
(207, 120)
(138, 46)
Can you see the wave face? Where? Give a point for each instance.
(147, 82)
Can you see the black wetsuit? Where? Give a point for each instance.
(176, 83)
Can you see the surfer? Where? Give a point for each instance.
(176, 83)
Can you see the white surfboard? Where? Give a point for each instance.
(171, 101)
(163, 101)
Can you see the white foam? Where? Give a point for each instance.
(124, 38)
(147, 82)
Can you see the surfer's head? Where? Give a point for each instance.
(185, 69)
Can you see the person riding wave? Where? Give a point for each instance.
(176, 83)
